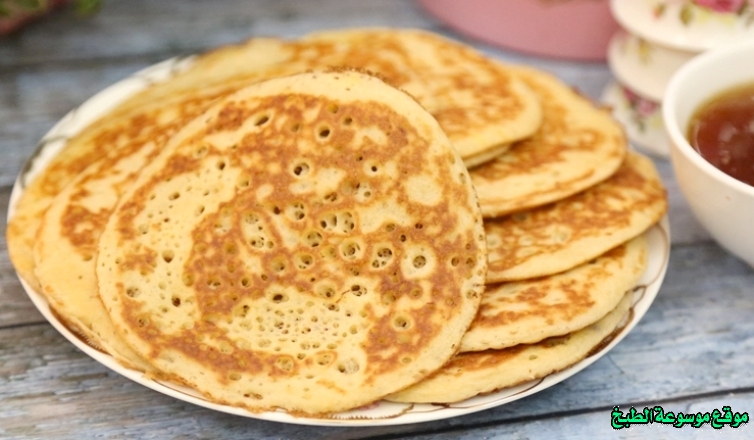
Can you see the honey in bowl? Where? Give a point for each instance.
(722, 131)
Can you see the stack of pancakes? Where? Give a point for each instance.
(316, 224)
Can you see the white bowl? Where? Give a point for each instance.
(640, 117)
(688, 25)
(722, 204)
(642, 65)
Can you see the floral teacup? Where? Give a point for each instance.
(722, 204)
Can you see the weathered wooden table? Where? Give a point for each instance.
(692, 352)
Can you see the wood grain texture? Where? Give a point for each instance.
(141, 27)
(596, 424)
(693, 351)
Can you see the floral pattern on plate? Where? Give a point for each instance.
(642, 65)
(644, 112)
(641, 118)
(730, 11)
(690, 25)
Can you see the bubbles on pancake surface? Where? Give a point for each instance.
(304, 255)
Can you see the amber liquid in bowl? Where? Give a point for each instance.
(722, 131)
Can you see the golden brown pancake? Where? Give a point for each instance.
(219, 71)
(310, 243)
(145, 120)
(559, 236)
(577, 146)
(72, 227)
(471, 374)
(529, 311)
(73, 223)
(480, 104)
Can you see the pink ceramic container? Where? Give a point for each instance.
(574, 29)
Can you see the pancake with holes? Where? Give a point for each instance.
(143, 121)
(471, 374)
(529, 311)
(577, 146)
(562, 235)
(139, 129)
(480, 103)
(310, 243)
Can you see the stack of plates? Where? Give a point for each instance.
(657, 38)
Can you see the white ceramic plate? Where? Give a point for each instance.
(380, 413)
(683, 24)
(642, 65)
(640, 117)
